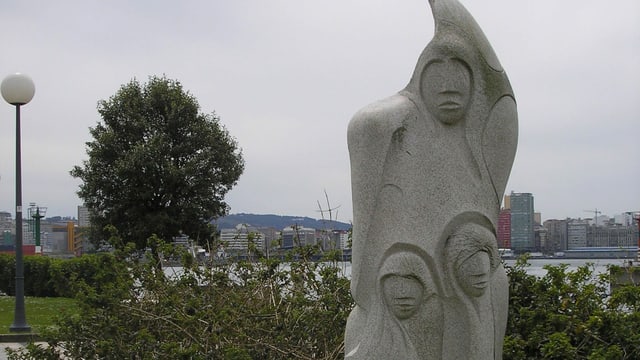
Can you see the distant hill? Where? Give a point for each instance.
(278, 222)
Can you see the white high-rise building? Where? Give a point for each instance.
(83, 216)
(625, 219)
(237, 240)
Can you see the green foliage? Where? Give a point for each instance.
(37, 280)
(157, 165)
(262, 309)
(267, 309)
(49, 277)
(570, 315)
(8, 274)
(90, 271)
(558, 347)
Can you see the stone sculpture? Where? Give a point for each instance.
(429, 166)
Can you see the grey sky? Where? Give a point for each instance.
(287, 75)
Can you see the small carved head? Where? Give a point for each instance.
(405, 283)
(403, 295)
(473, 273)
(472, 252)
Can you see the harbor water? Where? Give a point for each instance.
(536, 266)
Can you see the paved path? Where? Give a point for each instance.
(3, 352)
(17, 344)
(12, 345)
(16, 341)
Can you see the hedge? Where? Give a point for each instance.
(50, 277)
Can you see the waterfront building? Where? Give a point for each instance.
(59, 237)
(612, 235)
(297, 236)
(572, 234)
(625, 219)
(537, 218)
(556, 234)
(577, 234)
(83, 216)
(343, 239)
(241, 239)
(333, 239)
(506, 204)
(6, 228)
(5, 216)
(541, 240)
(522, 221)
(270, 239)
(504, 229)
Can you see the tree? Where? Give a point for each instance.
(157, 165)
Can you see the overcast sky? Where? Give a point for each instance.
(286, 76)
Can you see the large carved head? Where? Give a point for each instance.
(456, 63)
(459, 82)
(446, 85)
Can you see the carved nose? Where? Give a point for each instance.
(403, 290)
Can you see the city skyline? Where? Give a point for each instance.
(602, 216)
(285, 77)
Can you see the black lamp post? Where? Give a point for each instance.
(18, 90)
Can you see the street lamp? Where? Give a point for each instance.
(18, 90)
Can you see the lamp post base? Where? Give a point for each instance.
(19, 328)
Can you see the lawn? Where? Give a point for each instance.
(40, 312)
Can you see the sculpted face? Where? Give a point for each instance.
(446, 86)
(403, 295)
(473, 274)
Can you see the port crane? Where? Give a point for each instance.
(595, 214)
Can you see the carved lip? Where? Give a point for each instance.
(480, 284)
(405, 309)
(405, 304)
(449, 105)
(405, 301)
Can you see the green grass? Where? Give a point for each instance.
(40, 312)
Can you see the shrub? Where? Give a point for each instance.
(95, 271)
(49, 277)
(267, 309)
(263, 309)
(7, 274)
(570, 315)
(37, 279)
